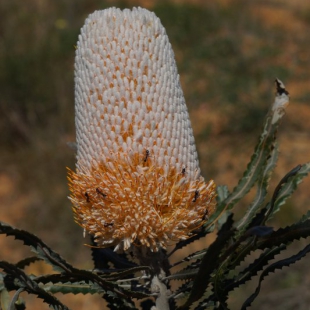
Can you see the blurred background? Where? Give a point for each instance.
(228, 54)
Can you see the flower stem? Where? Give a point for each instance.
(158, 287)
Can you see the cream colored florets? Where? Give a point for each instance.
(137, 180)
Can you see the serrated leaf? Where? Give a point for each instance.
(72, 288)
(285, 235)
(183, 291)
(258, 219)
(183, 274)
(252, 270)
(27, 261)
(81, 275)
(209, 263)
(277, 265)
(205, 304)
(16, 279)
(237, 251)
(259, 231)
(58, 263)
(92, 278)
(123, 273)
(38, 246)
(194, 256)
(261, 192)
(183, 243)
(241, 278)
(55, 278)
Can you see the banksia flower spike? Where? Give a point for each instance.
(137, 179)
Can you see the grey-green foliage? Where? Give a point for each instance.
(209, 274)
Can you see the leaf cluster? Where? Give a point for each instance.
(209, 275)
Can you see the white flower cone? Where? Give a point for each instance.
(138, 179)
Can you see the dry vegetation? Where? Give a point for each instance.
(228, 53)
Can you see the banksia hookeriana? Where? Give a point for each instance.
(137, 179)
